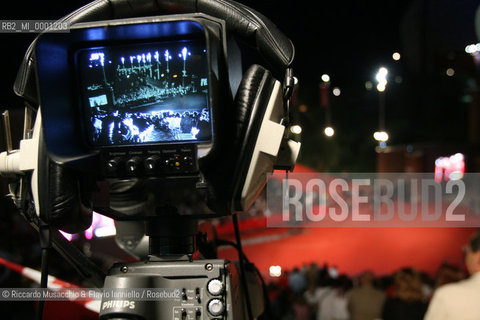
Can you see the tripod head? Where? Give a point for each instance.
(171, 236)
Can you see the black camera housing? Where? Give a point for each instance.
(65, 113)
(248, 111)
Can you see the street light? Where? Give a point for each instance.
(450, 72)
(380, 136)
(296, 129)
(324, 102)
(381, 77)
(329, 131)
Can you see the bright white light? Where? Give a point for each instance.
(382, 74)
(184, 53)
(329, 131)
(106, 231)
(450, 72)
(457, 157)
(167, 55)
(380, 136)
(450, 168)
(381, 86)
(275, 271)
(336, 91)
(67, 236)
(296, 129)
(99, 56)
(325, 77)
(194, 132)
(472, 48)
(396, 56)
(381, 77)
(456, 175)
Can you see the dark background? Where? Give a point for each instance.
(349, 41)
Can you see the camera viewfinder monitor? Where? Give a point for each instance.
(145, 93)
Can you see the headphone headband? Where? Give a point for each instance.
(247, 24)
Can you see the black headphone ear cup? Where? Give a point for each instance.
(246, 100)
(64, 195)
(69, 199)
(250, 103)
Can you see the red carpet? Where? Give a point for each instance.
(354, 250)
(351, 250)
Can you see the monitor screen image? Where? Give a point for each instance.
(145, 93)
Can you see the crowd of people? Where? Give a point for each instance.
(138, 127)
(148, 93)
(320, 293)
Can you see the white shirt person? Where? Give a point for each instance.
(460, 300)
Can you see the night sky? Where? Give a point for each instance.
(349, 41)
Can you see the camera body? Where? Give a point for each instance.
(155, 119)
(151, 98)
(201, 289)
(135, 99)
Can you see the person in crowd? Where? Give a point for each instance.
(297, 282)
(281, 304)
(312, 274)
(334, 305)
(448, 273)
(365, 301)
(283, 280)
(300, 308)
(427, 285)
(460, 300)
(315, 293)
(408, 301)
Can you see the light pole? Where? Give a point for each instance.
(325, 103)
(381, 135)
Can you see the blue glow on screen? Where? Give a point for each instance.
(136, 99)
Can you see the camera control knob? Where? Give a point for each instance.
(151, 164)
(113, 165)
(216, 307)
(133, 165)
(215, 287)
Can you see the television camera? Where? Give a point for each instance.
(156, 114)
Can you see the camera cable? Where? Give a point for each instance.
(241, 259)
(45, 244)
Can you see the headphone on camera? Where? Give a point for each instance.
(67, 203)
